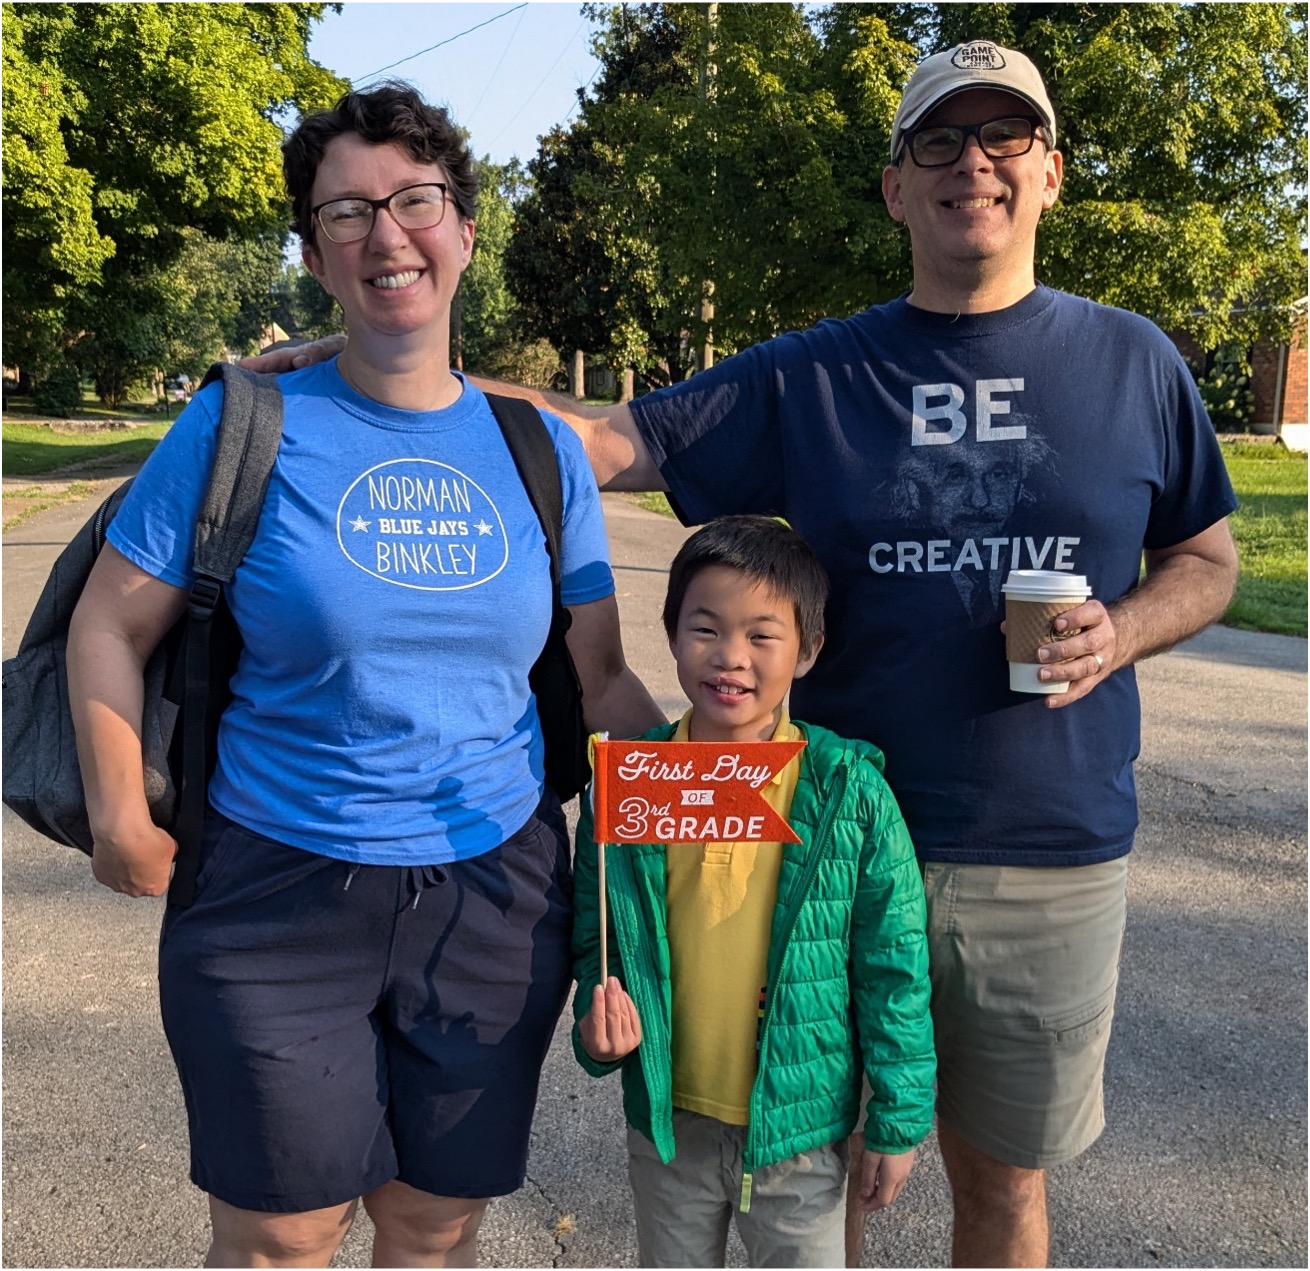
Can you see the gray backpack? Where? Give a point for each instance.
(186, 678)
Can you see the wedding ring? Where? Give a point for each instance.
(1100, 661)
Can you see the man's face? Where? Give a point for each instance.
(977, 210)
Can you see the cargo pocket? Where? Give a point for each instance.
(1082, 1024)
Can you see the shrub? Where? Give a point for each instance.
(534, 364)
(59, 393)
(1227, 393)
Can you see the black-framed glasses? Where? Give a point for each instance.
(937, 145)
(414, 207)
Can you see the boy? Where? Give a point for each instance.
(750, 977)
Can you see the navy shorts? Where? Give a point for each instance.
(336, 1026)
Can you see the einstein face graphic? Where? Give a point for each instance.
(966, 491)
(967, 494)
(974, 493)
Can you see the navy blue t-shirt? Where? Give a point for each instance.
(923, 456)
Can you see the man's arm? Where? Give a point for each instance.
(617, 453)
(1186, 588)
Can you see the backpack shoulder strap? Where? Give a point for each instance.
(248, 437)
(249, 431)
(534, 455)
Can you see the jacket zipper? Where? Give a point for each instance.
(821, 842)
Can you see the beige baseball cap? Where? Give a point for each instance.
(978, 64)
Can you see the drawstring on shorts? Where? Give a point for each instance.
(418, 878)
(421, 877)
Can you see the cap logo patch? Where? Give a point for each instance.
(981, 55)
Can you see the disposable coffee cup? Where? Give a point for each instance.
(1034, 598)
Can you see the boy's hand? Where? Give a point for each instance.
(611, 1029)
(883, 1178)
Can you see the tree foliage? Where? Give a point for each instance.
(747, 152)
(491, 339)
(129, 128)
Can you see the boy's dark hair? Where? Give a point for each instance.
(391, 113)
(763, 549)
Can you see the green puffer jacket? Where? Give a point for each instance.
(847, 968)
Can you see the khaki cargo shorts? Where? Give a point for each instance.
(1024, 963)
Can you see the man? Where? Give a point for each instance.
(925, 447)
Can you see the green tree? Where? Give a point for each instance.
(126, 125)
(585, 262)
(489, 337)
(302, 308)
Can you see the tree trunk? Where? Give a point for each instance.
(629, 384)
(578, 375)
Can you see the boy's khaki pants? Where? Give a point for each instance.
(797, 1207)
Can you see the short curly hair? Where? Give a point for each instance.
(391, 113)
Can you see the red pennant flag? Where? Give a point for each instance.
(689, 791)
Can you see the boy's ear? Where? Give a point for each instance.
(808, 658)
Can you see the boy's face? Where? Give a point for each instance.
(737, 650)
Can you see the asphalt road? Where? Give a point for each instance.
(1204, 1160)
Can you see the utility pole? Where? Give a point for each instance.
(707, 73)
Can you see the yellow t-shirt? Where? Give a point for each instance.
(721, 898)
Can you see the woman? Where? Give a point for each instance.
(360, 999)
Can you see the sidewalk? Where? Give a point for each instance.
(1203, 1162)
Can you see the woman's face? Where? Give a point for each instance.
(394, 281)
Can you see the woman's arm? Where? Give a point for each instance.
(614, 700)
(121, 617)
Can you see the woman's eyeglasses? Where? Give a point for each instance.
(414, 207)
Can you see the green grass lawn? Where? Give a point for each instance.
(1270, 529)
(19, 409)
(30, 449)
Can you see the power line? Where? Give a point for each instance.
(577, 101)
(491, 79)
(539, 87)
(439, 43)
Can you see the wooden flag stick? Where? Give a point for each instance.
(604, 921)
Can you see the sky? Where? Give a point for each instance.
(507, 82)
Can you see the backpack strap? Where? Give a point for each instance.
(553, 678)
(534, 456)
(249, 432)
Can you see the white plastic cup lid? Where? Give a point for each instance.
(1046, 582)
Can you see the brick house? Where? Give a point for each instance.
(1278, 381)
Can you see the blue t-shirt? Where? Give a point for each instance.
(923, 456)
(392, 604)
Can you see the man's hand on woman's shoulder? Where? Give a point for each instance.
(276, 361)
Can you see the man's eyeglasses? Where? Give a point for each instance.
(414, 207)
(939, 144)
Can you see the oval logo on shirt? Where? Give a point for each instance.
(422, 524)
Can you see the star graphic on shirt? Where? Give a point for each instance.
(359, 523)
(482, 527)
